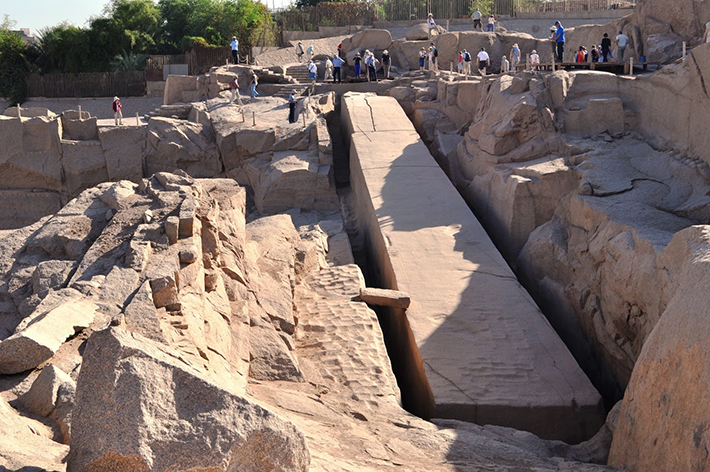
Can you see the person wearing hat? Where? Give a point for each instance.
(292, 107)
(386, 63)
(560, 41)
(117, 114)
(553, 30)
(422, 57)
(235, 50)
(430, 22)
(534, 60)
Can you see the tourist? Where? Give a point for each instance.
(595, 54)
(553, 31)
(337, 64)
(706, 35)
(340, 50)
(422, 58)
(431, 24)
(253, 83)
(312, 71)
(606, 48)
(514, 57)
(491, 24)
(386, 63)
(483, 61)
(299, 51)
(310, 52)
(459, 63)
(504, 65)
(430, 57)
(581, 55)
(117, 111)
(234, 87)
(534, 60)
(357, 64)
(434, 56)
(370, 62)
(235, 50)
(466, 62)
(476, 17)
(328, 69)
(621, 42)
(292, 107)
(560, 41)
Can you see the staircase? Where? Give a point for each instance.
(301, 89)
(299, 73)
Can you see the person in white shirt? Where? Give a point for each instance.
(312, 71)
(328, 69)
(432, 25)
(476, 17)
(514, 56)
(534, 60)
(235, 50)
(483, 61)
(621, 42)
(491, 24)
(504, 65)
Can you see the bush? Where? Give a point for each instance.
(15, 65)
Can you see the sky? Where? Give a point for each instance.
(38, 14)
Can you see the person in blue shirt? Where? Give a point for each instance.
(337, 64)
(235, 49)
(559, 39)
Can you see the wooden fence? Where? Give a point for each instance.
(327, 14)
(528, 6)
(93, 84)
(398, 10)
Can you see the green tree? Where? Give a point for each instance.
(64, 48)
(486, 6)
(15, 65)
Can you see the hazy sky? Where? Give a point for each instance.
(38, 14)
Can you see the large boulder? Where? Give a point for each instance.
(52, 396)
(372, 39)
(663, 424)
(139, 407)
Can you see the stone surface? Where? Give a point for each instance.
(382, 297)
(441, 310)
(138, 407)
(41, 337)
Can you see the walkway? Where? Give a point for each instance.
(487, 352)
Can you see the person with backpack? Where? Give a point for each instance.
(466, 62)
(312, 71)
(117, 114)
(595, 54)
(606, 48)
(234, 87)
(299, 51)
(434, 57)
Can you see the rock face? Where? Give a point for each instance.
(140, 408)
(52, 395)
(669, 384)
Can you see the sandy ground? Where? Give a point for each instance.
(98, 107)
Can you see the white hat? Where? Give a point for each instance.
(115, 98)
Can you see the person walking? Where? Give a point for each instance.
(337, 64)
(621, 42)
(476, 17)
(312, 71)
(459, 63)
(234, 87)
(299, 51)
(483, 61)
(254, 82)
(514, 57)
(431, 24)
(386, 63)
(422, 58)
(235, 50)
(491, 24)
(435, 56)
(328, 69)
(292, 107)
(467, 62)
(606, 48)
(560, 41)
(310, 52)
(117, 111)
(357, 64)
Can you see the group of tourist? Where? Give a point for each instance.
(429, 58)
(476, 16)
